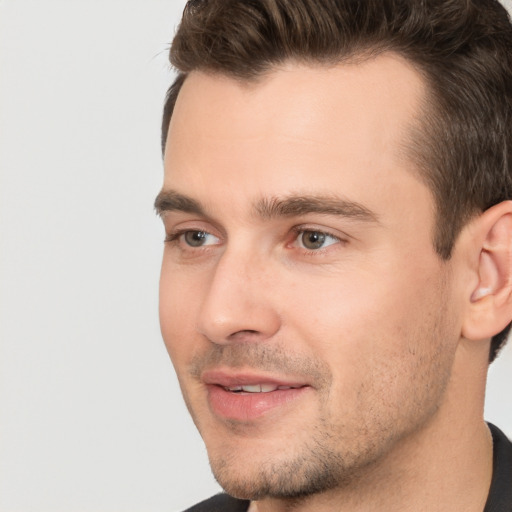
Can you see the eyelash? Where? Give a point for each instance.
(297, 231)
(300, 230)
(174, 236)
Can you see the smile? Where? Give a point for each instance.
(247, 396)
(257, 388)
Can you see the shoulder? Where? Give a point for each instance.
(220, 503)
(500, 494)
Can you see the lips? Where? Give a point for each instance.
(257, 388)
(246, 396)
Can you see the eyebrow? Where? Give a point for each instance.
(169, 200)
(302, 205)
(275, 207)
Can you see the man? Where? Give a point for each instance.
(337, 272)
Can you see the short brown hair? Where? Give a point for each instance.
(462, 48)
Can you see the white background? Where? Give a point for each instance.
(91, 415)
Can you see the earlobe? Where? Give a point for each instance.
(490, 304)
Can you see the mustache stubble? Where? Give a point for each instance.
(264, 358)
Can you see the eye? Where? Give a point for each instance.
(199, 238)
(314, 240)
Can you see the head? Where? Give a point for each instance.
(293, 107)
(462, 142)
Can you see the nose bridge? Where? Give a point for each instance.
(238, 304)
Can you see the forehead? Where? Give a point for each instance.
(386, 85)
(338, 125)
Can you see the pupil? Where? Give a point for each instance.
(195, 238)
(313, 239)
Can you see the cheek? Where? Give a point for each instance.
(179, 300)
(337, 309)
(356, 321)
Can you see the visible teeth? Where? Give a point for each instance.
(256, 388)
(234, 388)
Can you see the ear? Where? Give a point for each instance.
(490, 301)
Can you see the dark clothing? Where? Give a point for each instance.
(500, 493)
(220, 503)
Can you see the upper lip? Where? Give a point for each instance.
(229, 379)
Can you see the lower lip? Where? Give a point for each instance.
(249, 406)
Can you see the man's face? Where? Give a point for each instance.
(310, 322)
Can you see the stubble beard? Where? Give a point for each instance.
(315, 469)
(334, 455)
(328, 459)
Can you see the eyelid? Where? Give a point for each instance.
(181, 222)
(175, 234)
(178, 227)
(339, 235)
(341, 239)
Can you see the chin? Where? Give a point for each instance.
(281, 475)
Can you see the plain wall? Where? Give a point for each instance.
(91, 415)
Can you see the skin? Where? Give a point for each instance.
(371, 321)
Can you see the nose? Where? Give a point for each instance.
(239, 306)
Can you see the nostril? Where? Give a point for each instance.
(239, 335)
(245, 331)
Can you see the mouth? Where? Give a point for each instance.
(247, 397)
(258, 388)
